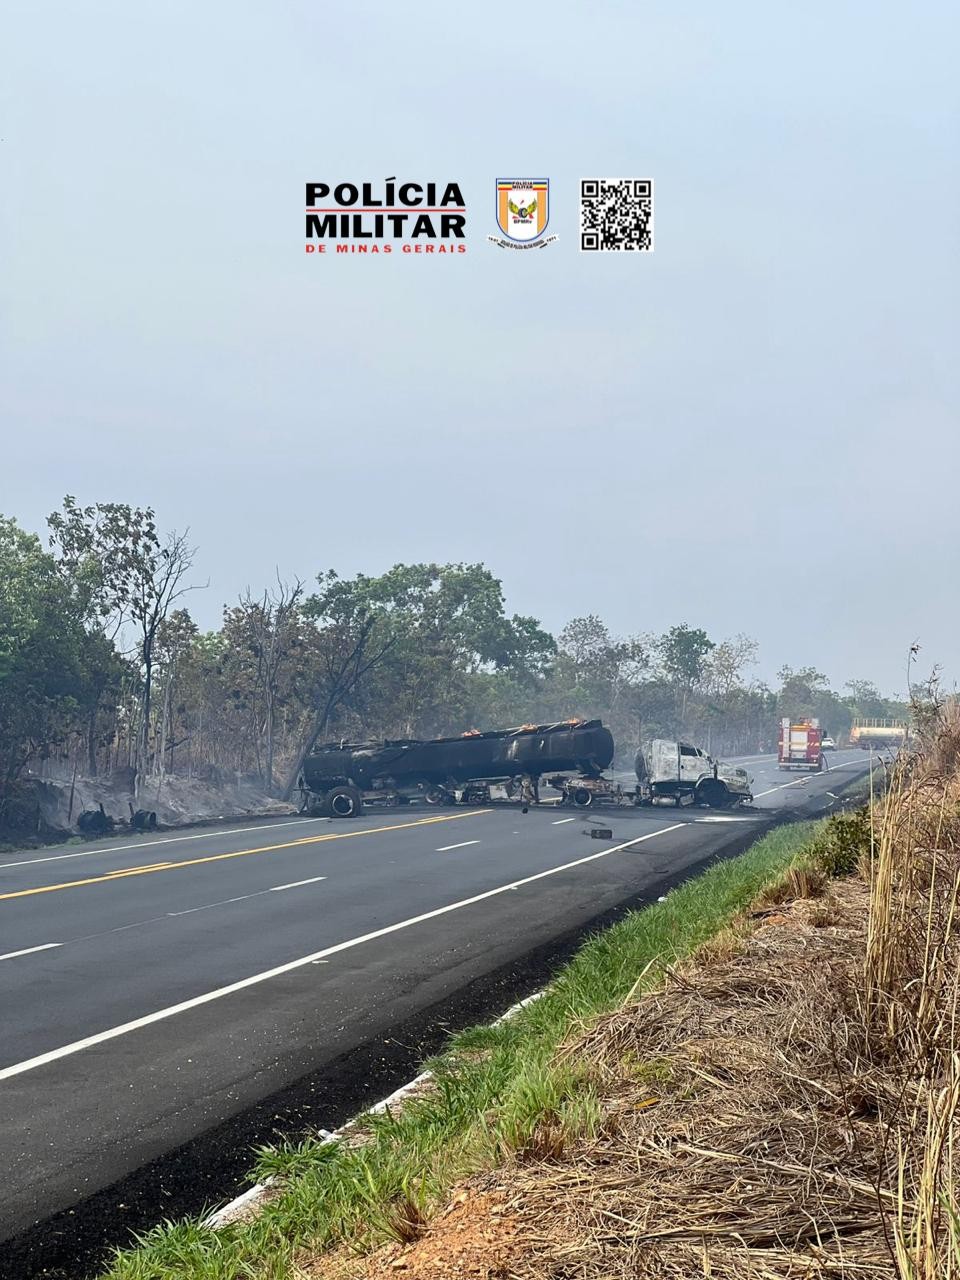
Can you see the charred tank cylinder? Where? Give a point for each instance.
(586, 746)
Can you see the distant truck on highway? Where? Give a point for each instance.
(878, 731)
(800, 745)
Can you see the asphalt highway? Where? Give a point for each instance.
(152, 987)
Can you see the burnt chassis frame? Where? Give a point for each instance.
(437, 769)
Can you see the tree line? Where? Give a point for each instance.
(102, 666)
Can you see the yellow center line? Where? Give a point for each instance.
(239, 853)
(129, 871)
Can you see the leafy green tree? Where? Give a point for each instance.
(437, 626)
(802, 692)
(598, 674)
(101, 551)
(121, 571)
(48, 660)
(806, 693)
(683, 654)
(95, 651)
(866, 700)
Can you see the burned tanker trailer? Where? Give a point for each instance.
(338, 778)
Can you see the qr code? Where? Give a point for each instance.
(616, 213)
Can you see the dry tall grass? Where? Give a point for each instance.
(912, 989)
(786, 1106)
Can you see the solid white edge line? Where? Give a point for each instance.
(148, 844)
(255, 1193)
(100, 1037)
(296, 884)
(462, 845)
(28, 951)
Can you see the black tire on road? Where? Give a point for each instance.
(714, 794)
(344, 802)
(582, 797)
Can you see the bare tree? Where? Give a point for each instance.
(174, 638)
(347, 653)
(274, 624)
(158, 582)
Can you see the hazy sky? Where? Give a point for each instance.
(753, 429)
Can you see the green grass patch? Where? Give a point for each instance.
(498, 1091)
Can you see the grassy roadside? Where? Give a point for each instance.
(498, 1090)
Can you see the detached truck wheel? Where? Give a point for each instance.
(582, 797)
(344, 802)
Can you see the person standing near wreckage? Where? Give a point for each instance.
(529, 792)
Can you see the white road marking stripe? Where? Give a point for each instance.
(28, 951)
(188, 911)
(807, 777)
(146, 844)
(77, 1046)
(296, 884)
(796, 782)
(719, 819)
(462, 845)
(207, 906)
(560, 821)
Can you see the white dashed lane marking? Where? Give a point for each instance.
(28, 951)
(296, 884)
(267, 975)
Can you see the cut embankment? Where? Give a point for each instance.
(491, 1096)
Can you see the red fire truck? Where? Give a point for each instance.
(800, 745)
